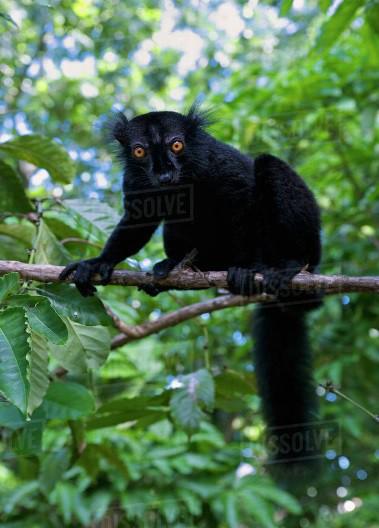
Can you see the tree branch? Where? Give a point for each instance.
(131, 333)
(189, 280)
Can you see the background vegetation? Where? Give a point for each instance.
(118, 439)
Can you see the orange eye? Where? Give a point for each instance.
(177, 146)
(139, 152)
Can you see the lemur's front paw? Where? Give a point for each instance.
(241, 281)
(83, 272)
(162, 269)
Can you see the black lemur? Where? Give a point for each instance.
(242, 215)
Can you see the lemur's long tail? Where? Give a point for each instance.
(284, 375)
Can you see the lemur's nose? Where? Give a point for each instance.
(165, 178)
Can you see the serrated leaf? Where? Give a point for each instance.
(68, 302)
(38, 373)
(98, 218)
(12, 197)
(71, 355)
(48, 250)
(9, 283)
(24, 300)
(96, 343)
(14, 348)
(186, 403)
(44, 320)
(42, 317)
(67, 401)
(86, 347)
(42, 152)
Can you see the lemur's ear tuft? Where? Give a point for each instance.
(116, 128)
(198, 117)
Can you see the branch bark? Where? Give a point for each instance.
(132, 333)
(189, 280)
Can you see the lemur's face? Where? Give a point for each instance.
(159, 146)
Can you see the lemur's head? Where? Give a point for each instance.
(161, 148)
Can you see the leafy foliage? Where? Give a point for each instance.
(42, 152)
(167, 431)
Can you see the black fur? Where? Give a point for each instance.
(243, 215)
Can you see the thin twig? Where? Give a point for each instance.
(331, 388)
(131, 333)
(128, 330)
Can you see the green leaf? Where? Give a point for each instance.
(231, 382)
(10, 416)
(68, 302)
(186, 403)
(44, 320)
(67, 401)
(257, 507)
(336, 24)
(96, 343)
(52, 468)
(12, 197)
(42, 152)
(23, 232)
(9, 284)
(277, 496)
(42, 317)
(324, 5)
(19, 496)
(129, 409)
(142, 418)
(38, 373)
(285, 6)
(48, 250)
(14, 348)
(133, 404)
(97, 218)
(231, 510)
(86, 347)
(28, 440)
(11, 249)
(71, 355)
